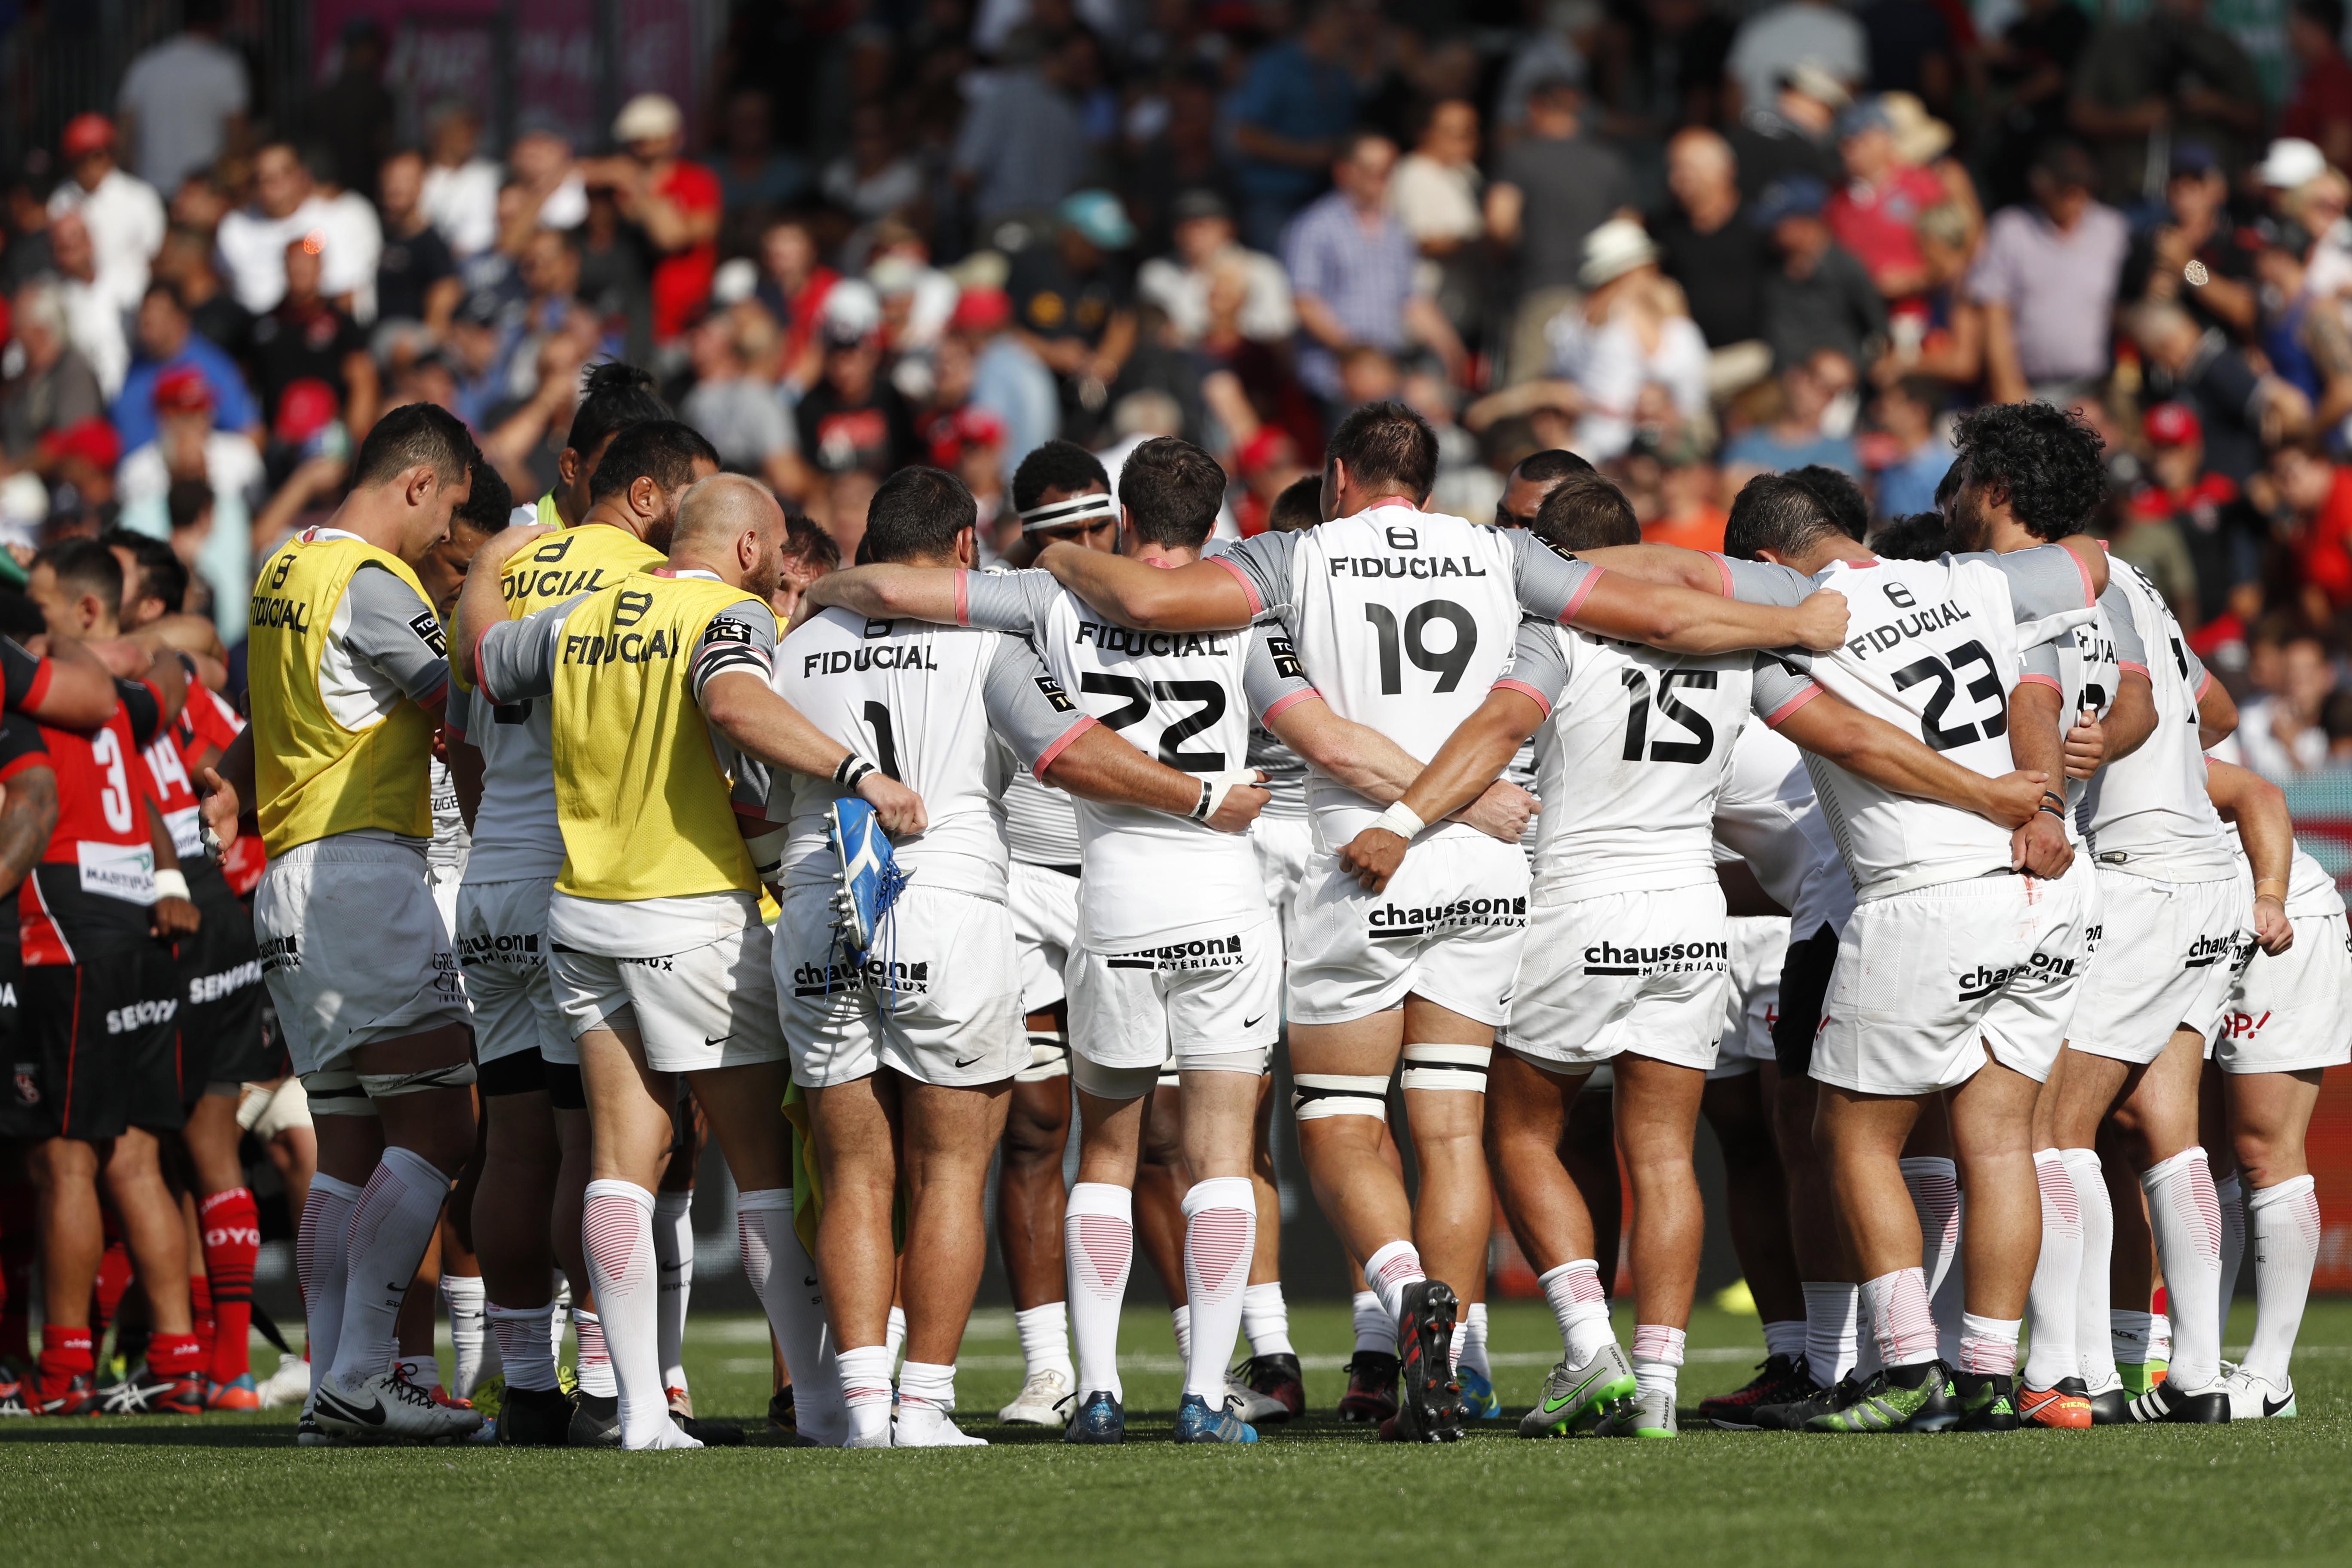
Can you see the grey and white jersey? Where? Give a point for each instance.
(1402, 620)
(2148, 812)
(1041, 823)
(1768, 815)
(945, 711)
(1187, 698)
(1932, 649)
(2091, 657)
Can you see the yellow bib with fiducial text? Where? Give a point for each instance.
(315, 774)
(644, 809)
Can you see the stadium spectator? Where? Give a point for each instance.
(1212, 274)
(309, 343)
(2163, 75)
(184, 101)
(94, 312)
(416, 275)
(2195, 229)
(1775, 41)
(1351, 273)
(461, 187)
(167, 341)
(124, 215)
(189, 445)
(1022, 146)
(1071, 303)
(2315, 493)
(1008, 379)
(1875, 215)
(1819, 297)
(672, 200)
(1794, 436)
(756, 178)
(1709, 245)
(2221, 536)
(1915, 456)
(2285, 731)
(50, 387)
(1295, 107)
(1552, 187)
(253, 238)
(733, 404)
(2046, 279)
(352, 116)
(2320, 111)
(2234, 401)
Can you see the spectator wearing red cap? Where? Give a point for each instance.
(1007, 378)
(2188, 528)
(968, 441)
(188, 446)
(124, 214)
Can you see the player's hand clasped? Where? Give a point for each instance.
(1822, 620)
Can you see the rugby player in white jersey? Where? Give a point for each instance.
(913, 1045)
(1190, 971)
(2173, 897)
(660, 712)
(1767, 818)
(347, 666)
(1061, 492)
(2284, 1025)
(1627, 953)
(535, 1167)
(1402, 620)
(1976, 985)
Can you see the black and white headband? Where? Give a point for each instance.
(1077, 512)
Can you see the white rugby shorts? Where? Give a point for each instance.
(1284, 845)
(1212, 989)
(1641, 972)
(1759, 947)
(1927, 980)
(1045, 908)
(937, 1001)
(501, 942)
(1448, 928)
(2164, 965)
(352, 949)
(710, 1007)
(2291, 1012)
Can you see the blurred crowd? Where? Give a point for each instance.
(1690, 243)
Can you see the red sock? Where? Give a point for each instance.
(113, 1279)
(200, 1312)
(65, 1354)
(20, 1247)
(176, 1355)
(232, 1238)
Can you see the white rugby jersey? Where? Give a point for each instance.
(518, 834)
(1932, 647)
(1185, 698)
(1403, 620)
(2148, 813)
(927, 704)
(1633, 747)
(2092, 655)
(1768, 815)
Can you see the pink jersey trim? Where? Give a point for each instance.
(2041, 681)
(1257, 606)
(2204, 685)
(963, 589)
(1583, 591)
(1284, 705)
(1523, 690)
(1779, 715)
(1723, 567)
(2089, 598)
(1045, 758)
(2139, 669)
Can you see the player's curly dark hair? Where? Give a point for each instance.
(615, 396)
(1921, 536)
(2045, 460)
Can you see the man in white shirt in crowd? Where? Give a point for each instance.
(124, 215)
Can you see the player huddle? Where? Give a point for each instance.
(1908, 868)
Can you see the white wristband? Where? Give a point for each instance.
(1400, 820)
(170, 885)
(1215, 788)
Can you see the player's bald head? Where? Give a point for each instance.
(733, 525)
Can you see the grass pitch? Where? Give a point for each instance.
(234, 1490)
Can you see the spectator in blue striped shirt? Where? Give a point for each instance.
(1351, 268)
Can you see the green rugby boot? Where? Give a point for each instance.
(1899, 1399)
(1576, 1400)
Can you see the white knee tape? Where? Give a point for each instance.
(1316, 1095)
(337, 1093)
(384, 1085)
(1460, 1068)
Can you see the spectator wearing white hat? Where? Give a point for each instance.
(1625, 356)
(676, 204)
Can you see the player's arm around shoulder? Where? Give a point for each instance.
(889, 591)
(737, 701)
(1211, 594)
(482, 603)
(1870, 748)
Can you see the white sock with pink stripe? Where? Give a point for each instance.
(1098, 1240)
(778, 1268)
(2285, 1220)
(1935, 1185)
(392, 1225)
(1580, 1307)
(1220, 1234)
(2186, 1215)
(1896, 1304)
(321, 1251)
(2057, 1270)
(617, 1231)
(1389, 1271)
(1657, 1361)
(1988, 1345)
